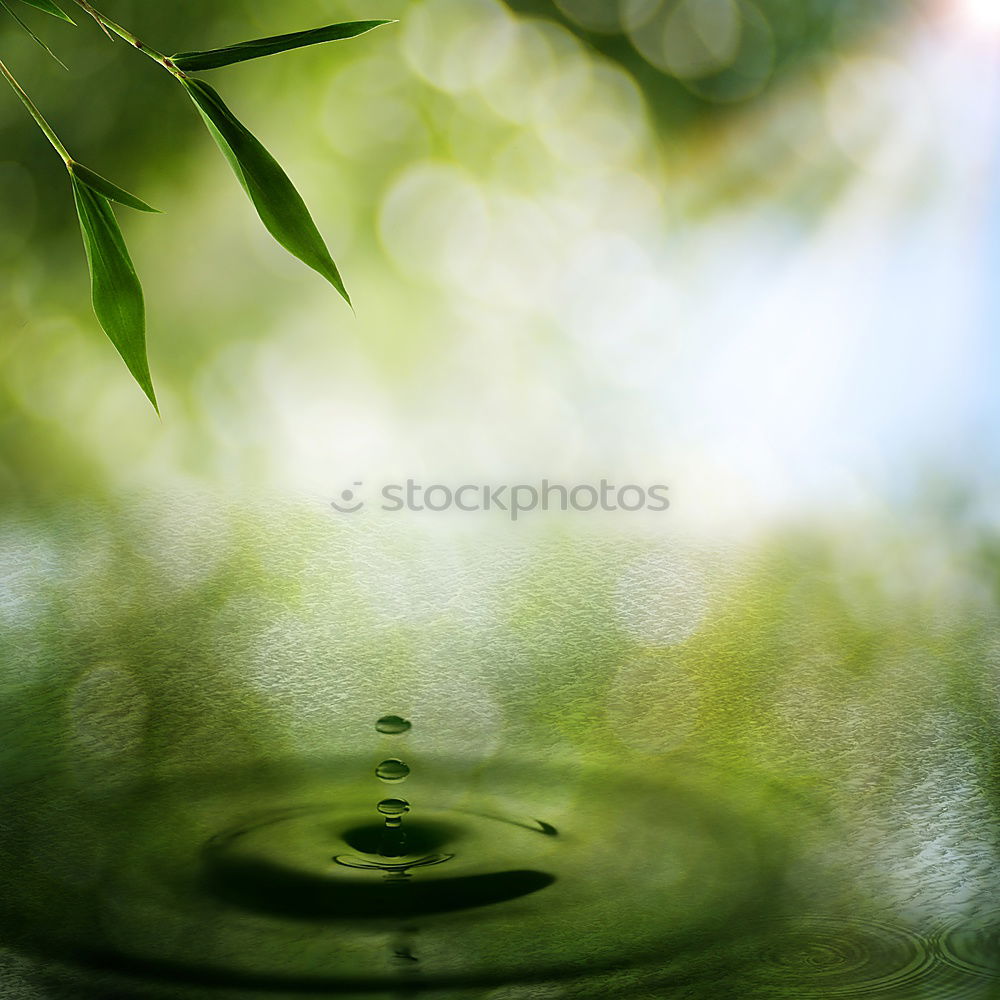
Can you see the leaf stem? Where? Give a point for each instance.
(37, 115)
(110, 27)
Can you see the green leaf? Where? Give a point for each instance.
(214, 58)
(50, 8)
(115, 288)
(105, 187)
(10, 10)
(278, 204)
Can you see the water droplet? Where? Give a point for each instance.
(392, 770)
(392, 725)
(393, 807)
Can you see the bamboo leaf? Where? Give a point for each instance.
(278, 204)
(214, 58)
(115, 288)
(50, 8)
(10, 10)
(105, 187)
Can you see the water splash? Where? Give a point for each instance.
(283, 865)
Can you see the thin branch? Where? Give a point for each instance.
(36, 114)
(93, 13)
(110, 28)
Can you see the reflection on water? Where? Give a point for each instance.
(682, 885)
(793, 798)
(227, 879)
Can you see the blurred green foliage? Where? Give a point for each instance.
(697, 59)
(454, 114)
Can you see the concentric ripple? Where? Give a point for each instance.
(973, 945)
(525, 874)
(820, 956)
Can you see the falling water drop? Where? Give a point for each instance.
(392, 770)
(393, 842)
(392, 725)
(393, 808)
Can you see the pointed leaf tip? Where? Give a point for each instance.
(110, 190)
(258, 47)
(31, 34)
(50, 7)
(279, 205)
(115, 289)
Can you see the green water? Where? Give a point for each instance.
(681, 883)
(796, 800)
